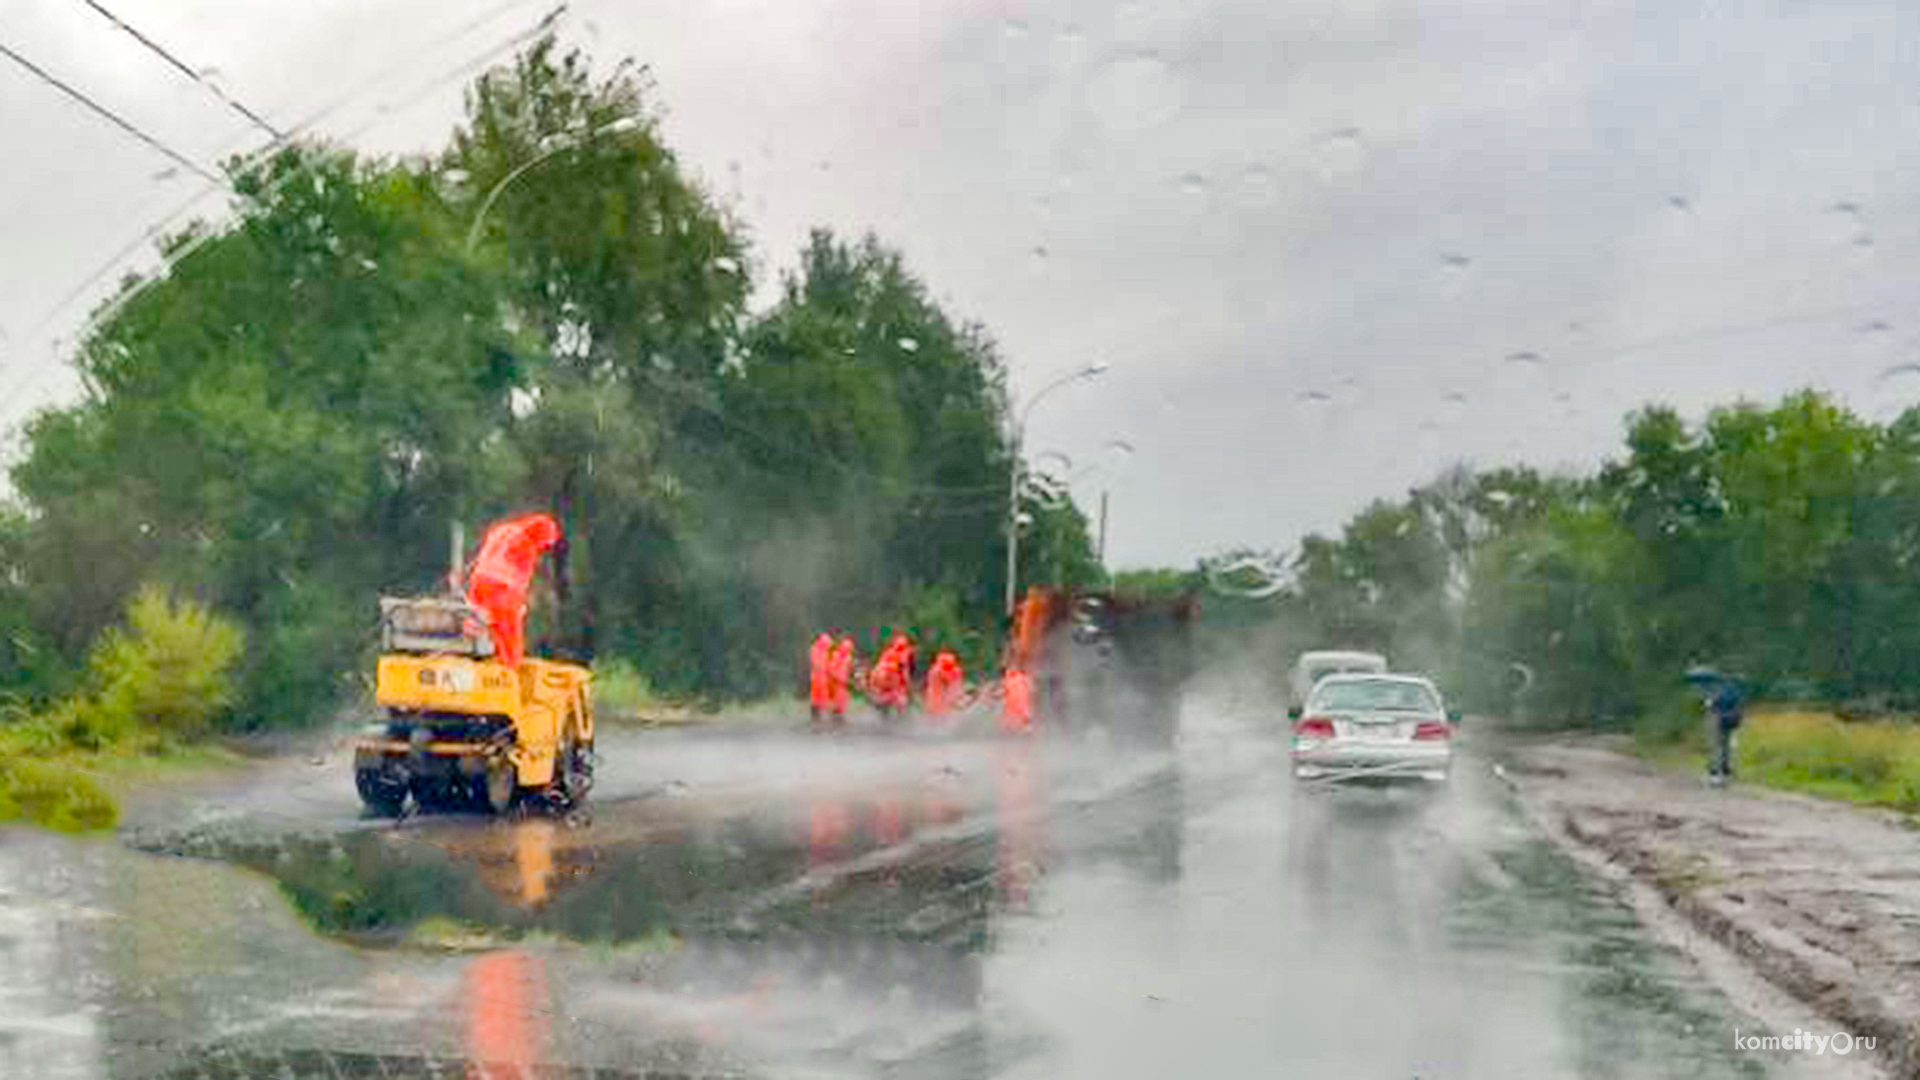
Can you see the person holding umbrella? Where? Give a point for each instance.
(1725, 698)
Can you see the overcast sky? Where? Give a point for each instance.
(1327, 248)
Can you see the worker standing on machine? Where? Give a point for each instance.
(501, 571)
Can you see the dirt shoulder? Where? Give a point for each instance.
(1821, 900)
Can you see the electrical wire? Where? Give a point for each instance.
(155, 47)
(31, 379)
(107, 114)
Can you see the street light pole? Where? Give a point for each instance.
(625, 123)
(1013, 472)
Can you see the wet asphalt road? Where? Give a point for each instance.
(755, 903)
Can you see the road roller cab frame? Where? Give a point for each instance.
(464, 729)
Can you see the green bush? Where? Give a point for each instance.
(620, 690)
(169, 670)
(53, 795)
(1670, 717)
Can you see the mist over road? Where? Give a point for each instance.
(750, 902)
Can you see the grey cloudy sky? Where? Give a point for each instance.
(1326, 247)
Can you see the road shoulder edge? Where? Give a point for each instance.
(1759, 969)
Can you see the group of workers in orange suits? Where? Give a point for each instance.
(889, 683)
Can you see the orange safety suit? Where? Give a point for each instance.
(839, 675)
(820, 675)
(1016, 710)
(944, 682)
(887, 683)
(501, 573)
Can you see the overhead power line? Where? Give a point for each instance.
(159, 50)
(109, 115)
(32, 374)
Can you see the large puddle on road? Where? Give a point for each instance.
(1029, 914)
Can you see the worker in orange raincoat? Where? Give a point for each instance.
(889, 685)
(839, 678)
(1016, 706)
(501, 573)
(945, 681)
(820, 677)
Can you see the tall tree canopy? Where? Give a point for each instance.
(549, 313)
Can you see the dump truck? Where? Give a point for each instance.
(1105, 659)
(468, 721)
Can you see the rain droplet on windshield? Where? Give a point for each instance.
(1877, 326)
(1039, 253)
(1525, 358)
(454, 176)
(727, 264)
(909, 344)
(1340, 152)
(1846, 207)
(1133, 92)
(167, 173)
(1453, 260)
(1679, 202)
(1015, 28)
(1256, 184)
(1315, 396)
(1454, 397)
(1193, 184)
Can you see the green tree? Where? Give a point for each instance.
(297, 406)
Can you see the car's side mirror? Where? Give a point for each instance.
(1293, 713)
(1453, 716)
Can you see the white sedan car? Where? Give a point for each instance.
(1373, 726)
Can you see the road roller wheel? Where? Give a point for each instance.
(383, 795)
(502, 784)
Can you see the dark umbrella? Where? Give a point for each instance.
(1704, 677)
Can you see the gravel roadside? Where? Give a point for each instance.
(1820, 900)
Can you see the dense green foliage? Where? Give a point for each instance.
(1778, 542)
(150, 684)
(549, 314)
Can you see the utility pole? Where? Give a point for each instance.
(1017, 437)
(456, 555)
(1102, 549)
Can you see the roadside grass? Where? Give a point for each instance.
(1873, 762)
(622, 697)
(153, 689)
(1869, 762)
(77, 790)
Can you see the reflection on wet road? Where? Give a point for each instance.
(752, 904)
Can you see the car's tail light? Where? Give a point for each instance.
(1313, 727)
(1432, 729)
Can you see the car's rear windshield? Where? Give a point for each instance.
(1314, 675)
(1384, 695)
